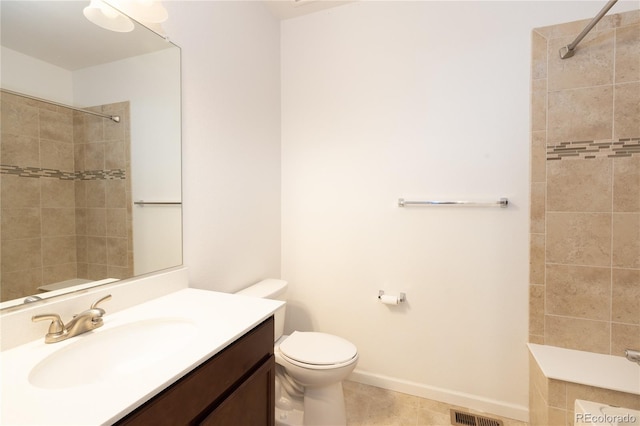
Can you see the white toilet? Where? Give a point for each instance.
(310, 368)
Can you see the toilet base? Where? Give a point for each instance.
(291, 417)
(324, 406)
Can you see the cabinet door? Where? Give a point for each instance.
(252, 403)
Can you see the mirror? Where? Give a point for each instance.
(85, 200)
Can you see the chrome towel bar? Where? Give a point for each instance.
(502, 202)
(157, 203)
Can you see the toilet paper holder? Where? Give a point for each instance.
(401, 298)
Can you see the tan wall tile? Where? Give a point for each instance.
(96, 193)
(96, 271)
(97, 250)
(626, 240)
(538, 56)
(624, 336)
(578, 291)
(58, 222)
(17, 192)
(96, 222)
(536, 309)
(116, 195)
(17, 284)
(20, 150)
(566, 29)
(538, 197)
(626, 184)
(56, 273)
(56, 125)
(536, 259)
(58, 250)
(81, 249)
(20, 223)
(56, 155)
(81, 221)
(625, 305)
(80, 194)
(117, 252)
(57, 193)
(94, 156)
(628, 54)
(591, 65)
(537, 339)
(557, 394)
(579, 186)
(19, 255)
(579, 334)
(539, 105)
(580, 114)
(589, 393)
(114, 155)
(579, 238)
(557, 417)
(539, 156)
(78, 157)
(114, 131)
(629, 18)
(627, 110)
(83, 270)
(538, 410)
(19, 118)
(117, 223)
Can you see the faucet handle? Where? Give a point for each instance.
(94, 305)
(56, 326)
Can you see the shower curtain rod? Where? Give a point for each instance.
(115, 118)
(568, 50)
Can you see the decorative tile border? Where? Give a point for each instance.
(626, 147)
(36, 172)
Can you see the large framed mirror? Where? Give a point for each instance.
(86, 198)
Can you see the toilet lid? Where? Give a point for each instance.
(317, 348)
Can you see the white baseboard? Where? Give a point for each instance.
(473, 402)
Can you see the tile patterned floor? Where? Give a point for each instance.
(372, 406)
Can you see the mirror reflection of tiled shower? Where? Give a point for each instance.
(66, 191)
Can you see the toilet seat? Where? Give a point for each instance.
(318, 350)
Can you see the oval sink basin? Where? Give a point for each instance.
(117, 351)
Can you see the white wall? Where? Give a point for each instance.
(231, 141)
(422, 100)
(25, 74)
(150, 83)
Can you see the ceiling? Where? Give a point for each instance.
(286, 9)
(48, 30)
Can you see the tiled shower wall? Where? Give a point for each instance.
(585, 187)
(65, 201)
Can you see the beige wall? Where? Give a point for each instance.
(585, 187)
(65, 196)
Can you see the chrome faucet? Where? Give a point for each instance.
(85, 321)
(632, 355)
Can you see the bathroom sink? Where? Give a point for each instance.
(120, 350)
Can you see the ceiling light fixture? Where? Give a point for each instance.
(147, 11)
(105, 16)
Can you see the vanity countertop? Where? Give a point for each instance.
(219, 320)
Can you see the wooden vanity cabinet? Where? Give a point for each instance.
(234, 387)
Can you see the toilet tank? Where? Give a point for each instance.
(270, 289)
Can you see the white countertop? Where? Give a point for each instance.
(220, 318)
(587, 368)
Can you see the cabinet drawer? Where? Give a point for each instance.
(252, 403)
(201, 390)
